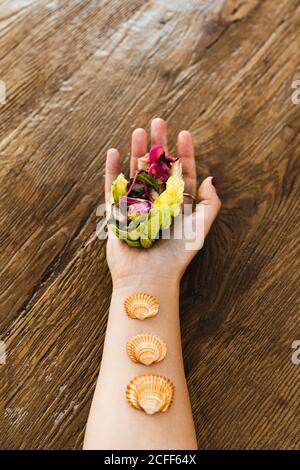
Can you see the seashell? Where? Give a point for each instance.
(150, 393)
(141, 306)
(146, 349)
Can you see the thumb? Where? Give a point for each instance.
(197, 226)
(209, 202)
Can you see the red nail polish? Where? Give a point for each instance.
(213, 182)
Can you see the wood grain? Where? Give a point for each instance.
(80, 76)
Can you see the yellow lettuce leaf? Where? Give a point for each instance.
(119, 187)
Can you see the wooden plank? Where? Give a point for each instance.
(79, 82)
(25, 165)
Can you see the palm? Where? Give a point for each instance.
(166, 257)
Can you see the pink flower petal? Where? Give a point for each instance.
(170, 158)
(155, 153)
(165, 167)
(139, 207)
(160, 170)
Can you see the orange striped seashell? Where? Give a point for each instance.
(150, 393)
(146, 349)
(141, 306)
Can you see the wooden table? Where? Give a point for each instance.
(80, 75)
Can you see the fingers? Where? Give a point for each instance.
(186, 153)
(112, 169)
(209, 202)
(159, 133)
(138, 148)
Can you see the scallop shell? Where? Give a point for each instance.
(150, 393)
(141, 306)
(146, 349)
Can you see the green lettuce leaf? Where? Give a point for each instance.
(149, 180)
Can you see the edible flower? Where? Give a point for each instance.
(172, 196)
(160, 163)
(146, 204)
(119, 187)
(134, 206)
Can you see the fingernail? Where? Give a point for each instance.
(214, 182)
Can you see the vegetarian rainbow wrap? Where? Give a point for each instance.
(146, 204)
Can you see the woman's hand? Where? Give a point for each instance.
(167, 259)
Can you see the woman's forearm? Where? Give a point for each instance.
(113, 423)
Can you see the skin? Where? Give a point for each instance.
(113, 423)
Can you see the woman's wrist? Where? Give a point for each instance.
(158, 285)
(166, 290)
